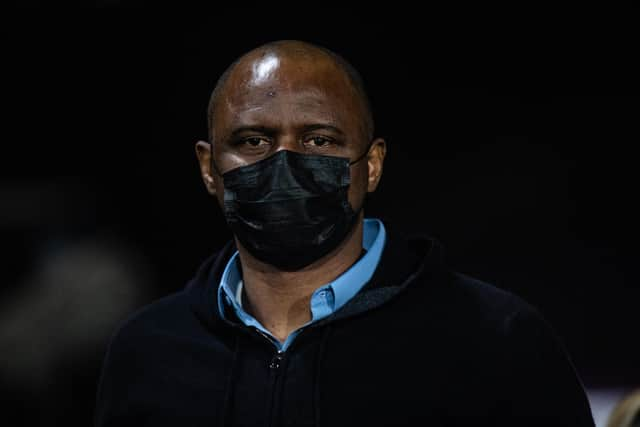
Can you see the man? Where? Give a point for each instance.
(314, 315)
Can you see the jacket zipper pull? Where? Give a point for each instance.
(276, 360)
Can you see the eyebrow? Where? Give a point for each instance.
(325, 126)
(257, 129)
(271, 131)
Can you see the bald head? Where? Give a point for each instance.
(292, 96)
(290, 65)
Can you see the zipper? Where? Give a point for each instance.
(276, 368)
(276, 361)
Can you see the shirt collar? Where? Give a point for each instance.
(326, 299)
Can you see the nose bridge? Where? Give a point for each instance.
(289, 117)
(287, 137)
(289, 110)
(287, 140)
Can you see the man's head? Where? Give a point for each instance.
(290, 95)
(297, 51)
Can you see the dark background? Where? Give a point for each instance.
(511, 143)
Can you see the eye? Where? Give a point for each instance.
(319, 141)
(254, 141)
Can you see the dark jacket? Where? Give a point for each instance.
(419, 345)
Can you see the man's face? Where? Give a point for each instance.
(272, 102)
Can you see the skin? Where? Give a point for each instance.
(293, 97)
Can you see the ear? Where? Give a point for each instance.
(375, 160)
(203, 151)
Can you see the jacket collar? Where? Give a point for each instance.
(404, 260)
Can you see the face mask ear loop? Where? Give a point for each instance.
(363, 155)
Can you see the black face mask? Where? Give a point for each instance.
(290, 209)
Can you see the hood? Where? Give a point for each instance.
(405, 257)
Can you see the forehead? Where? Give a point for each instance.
(272, 87)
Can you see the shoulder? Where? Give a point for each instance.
(529, 364)
(479, 310)
(498, 313)
(487, 300)
(164, 317)
(139, 339)
(180, 319)
(417, 263)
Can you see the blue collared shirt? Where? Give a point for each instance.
(326, 299)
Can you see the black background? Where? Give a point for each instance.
(512, 143)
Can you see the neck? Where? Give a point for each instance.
(280, 300)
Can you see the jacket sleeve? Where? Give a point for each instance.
(542, 386)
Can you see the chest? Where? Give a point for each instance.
(374, 371)
(351, 376)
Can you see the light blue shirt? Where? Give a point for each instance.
(325, 300)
